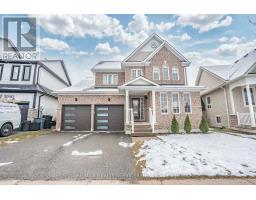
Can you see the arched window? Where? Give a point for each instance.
(165, 72)
(175, 73)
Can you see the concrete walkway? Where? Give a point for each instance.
(188, 181)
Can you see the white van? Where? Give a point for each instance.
(10, 118)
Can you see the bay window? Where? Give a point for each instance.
(175, 103)
(164, 102)
(187, 102)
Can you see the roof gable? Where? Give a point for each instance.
(140, 81)
(145, 49)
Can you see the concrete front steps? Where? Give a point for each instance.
(142, 129)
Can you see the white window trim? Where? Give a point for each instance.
(189, 102)
(178, 73)
(156, 68)
(207, 103)
(178, 102)
(168, 72)
(217, 121)
(243, 94)
(166, 102)
(136, 72)
(113, 78)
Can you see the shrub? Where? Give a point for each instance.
(187, 125)
(174, 125)
(203, 125)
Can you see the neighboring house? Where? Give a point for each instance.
(30, 83)
(139, 94)
(230, 95)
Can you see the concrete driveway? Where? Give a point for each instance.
(50, 157)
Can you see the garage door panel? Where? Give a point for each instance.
(109, 117)
(76, 118)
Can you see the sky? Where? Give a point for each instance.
(83, 40)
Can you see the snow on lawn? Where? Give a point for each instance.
(5, 163)
(93, 153)
(126, 145)
(199, 154)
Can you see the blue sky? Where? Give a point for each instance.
(83, 40)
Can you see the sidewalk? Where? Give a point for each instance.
(188, 181)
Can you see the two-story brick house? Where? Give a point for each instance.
(139, 94)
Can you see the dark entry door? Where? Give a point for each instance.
(76, 118)
(23, 111)
(109, 118)
(138, 108)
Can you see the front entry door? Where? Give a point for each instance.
(138, 108)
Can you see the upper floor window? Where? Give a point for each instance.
(110, 79)
(175, 73)
(156, 73)
(175, 103)
(15, 74)
(164, 102)
(187, 102)
(26, 72)
(208, 102)
(1, 71)
(165, 72)
(246, 101)
(136, 73)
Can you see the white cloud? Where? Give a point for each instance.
(198, 59)
(223, 39)
(204, 23)
(164, 26)
(182, 37)
(99, 26)
(235, 47)
(75, 53)
(53, 44)
(105, 48)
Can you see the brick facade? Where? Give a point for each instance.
(99, 79)
(164, 120)
(158, 60)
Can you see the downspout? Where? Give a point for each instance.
(39, 104)
(226, 102)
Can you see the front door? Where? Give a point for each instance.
(138, 108)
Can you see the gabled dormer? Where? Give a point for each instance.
(157, 60)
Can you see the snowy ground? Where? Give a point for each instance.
(199, 155)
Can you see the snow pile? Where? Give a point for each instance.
(76, 139)
(6, 163)
(195, 155)
(11, 141)
(92, 153)
(126, 145)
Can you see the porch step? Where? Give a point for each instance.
(143, 134)
(142, 128)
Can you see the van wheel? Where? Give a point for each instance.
(6, 130)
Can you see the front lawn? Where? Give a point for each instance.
(22, 136)
(214, 154)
